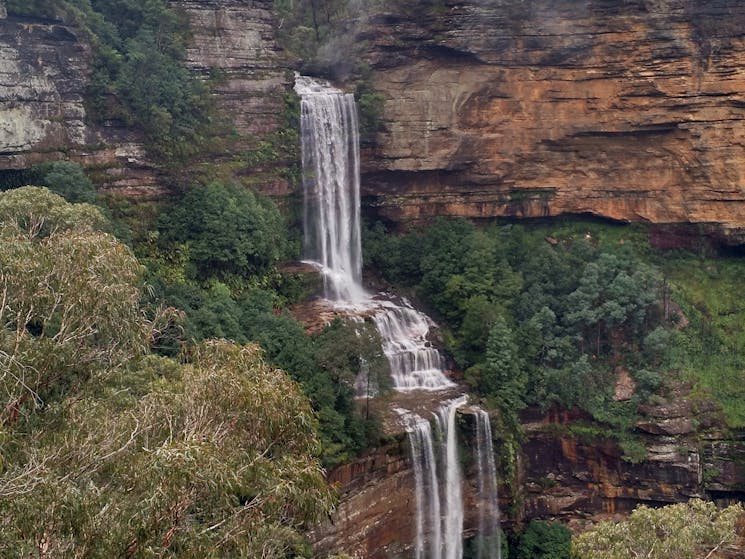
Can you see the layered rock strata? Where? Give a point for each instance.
(235, 42)
(627, 110)
(375, 518)
(569, 469)
(44, 69)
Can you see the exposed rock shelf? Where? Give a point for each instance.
(630, 111)
(44, 66)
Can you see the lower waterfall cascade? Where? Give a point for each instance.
(453, 483)
(330, 160)
(488, 539)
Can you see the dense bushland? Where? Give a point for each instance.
(109, 450)
(693, 530)
(214, 256)
(550, 314)
(531, 321)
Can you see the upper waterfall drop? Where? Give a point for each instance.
(331, 184)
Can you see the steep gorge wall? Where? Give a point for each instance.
(44, 68)
(237, 39)
(563, 473)
(626, 110)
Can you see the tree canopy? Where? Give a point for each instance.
(693, 530)
(227, 231)
(70, 296)
(109, 451)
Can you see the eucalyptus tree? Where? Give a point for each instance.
(693, 530)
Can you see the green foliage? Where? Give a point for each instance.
(214, 261)
(66, 179)
(35, 8)
(544, 540)
(532, 321)
(71, 297)
(614, 295)
(325, 364)
(710, 350)
(37, 212)
(214, 458)
(106, 451)
(501, 378)
(692, 530)
(480, 315)
(632, 450)
(138, 76)
(281, 147)
(226, 231)
(309, 25)
(370, 108)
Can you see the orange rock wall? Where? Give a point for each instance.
(626, 110)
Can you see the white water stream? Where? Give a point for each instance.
(331, 186)
(427, 487)
(453, 485)
(488, 539)
(330, 158)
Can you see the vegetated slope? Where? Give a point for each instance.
(623, 358)
(110, 450)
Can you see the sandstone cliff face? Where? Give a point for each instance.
(626, 110)
(42, 74)
(375, 518)
(44, 66)
(563, 473)
(631, 111)
(572, 476)
(237, 40)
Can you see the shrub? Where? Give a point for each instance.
(544, 540)
(685, 531)
(229, 231)
(66, 179)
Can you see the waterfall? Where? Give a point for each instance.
(438, 485)
(330, 158)
(488, 539)
(426, 487)
(438, 491)
(331, 185)
(453, 485)
(414, 363)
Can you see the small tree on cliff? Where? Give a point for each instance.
(501, 378)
